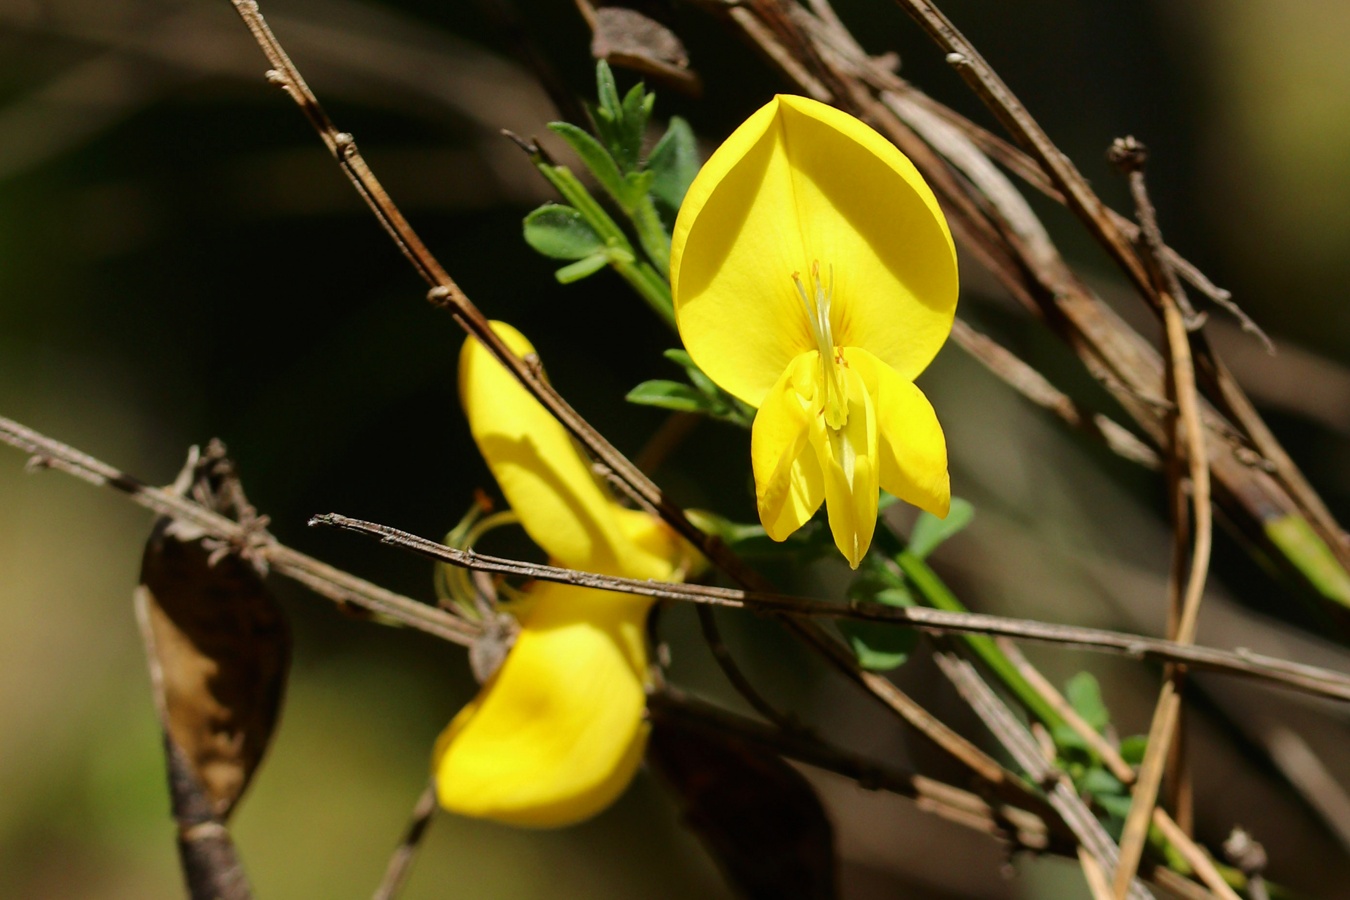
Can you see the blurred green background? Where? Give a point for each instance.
(179, 259)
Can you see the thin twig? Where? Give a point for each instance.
(1036, 828)
(989, 87)
(1019, 743)
(727, 663)
(1196, 857)
(1035, 387)
(318, 576)
(1093, 738)
(400, 863)
(1188, 433)
(1308, 679)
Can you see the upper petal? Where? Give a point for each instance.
(558, 732)
(910, 446)
(542, 475)
(735, 246)
(866, 213)
(788, 484)
(801, 183)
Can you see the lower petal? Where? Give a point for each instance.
(788, 484)
(558, 732)
(912, 450)
(848, 459)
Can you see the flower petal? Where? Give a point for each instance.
(911, 448)
(542, 475)
(848, 459)
(801, 183)
(788, 483)
(736, 243)
(866, 213)
(558, 732)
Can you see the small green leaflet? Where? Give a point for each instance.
(930, 531)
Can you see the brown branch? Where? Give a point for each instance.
(727, 663)
(1304, 678)
(1035, 387)
(1000, 99)
(400, 862)
(1093, 738)
(1188, 433)
(1019, 743)
(320, 577)
(1037, 828)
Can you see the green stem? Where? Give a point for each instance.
(649, 284)
(651, 233)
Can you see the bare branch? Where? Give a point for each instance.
(320, 577)
(1308, 679)
(1188, 443)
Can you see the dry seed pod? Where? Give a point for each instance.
(218, 650)
(217, 645)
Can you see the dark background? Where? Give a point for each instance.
(179, 259)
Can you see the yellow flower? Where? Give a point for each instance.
(557, 733)
(814, 278)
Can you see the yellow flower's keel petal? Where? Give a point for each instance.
(867, 214)
(911, 448)
(558, 732)
(542, 475)
(736, 243)
(848, 459)
(788, 483)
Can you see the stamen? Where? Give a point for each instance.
(816, 304)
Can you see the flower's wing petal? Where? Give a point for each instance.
(848, 459)
(736, 243)
(911, 447)
(872, 222)
(788, 484)
(558, 732)
(542, 475)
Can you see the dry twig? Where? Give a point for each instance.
(1188, 443)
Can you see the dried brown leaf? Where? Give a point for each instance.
(634, 40)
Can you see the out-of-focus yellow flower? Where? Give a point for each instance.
(814, 278)
(556, 734)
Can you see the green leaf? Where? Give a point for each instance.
(607, 90)
(930, 531)
(1100, 783)
(560, 232)
(582, 267)
(621, 124)
(1085, 696)
(597, 159)
(879, 646)
(1067, 741)
(679, 358)
(673, 395)
(1132, 749)
(673, 163)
